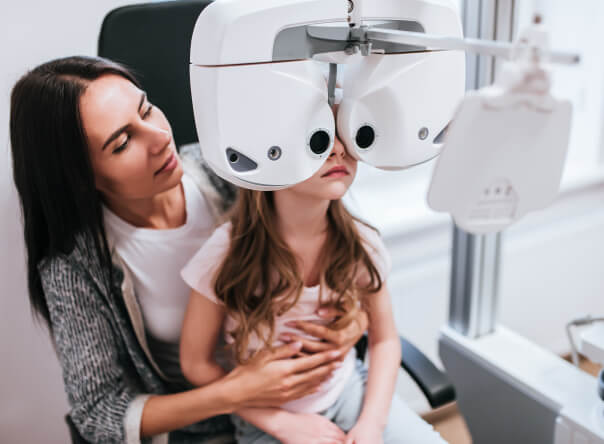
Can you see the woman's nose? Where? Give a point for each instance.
(157, 138)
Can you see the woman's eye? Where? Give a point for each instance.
(123, 146)
(148, 111)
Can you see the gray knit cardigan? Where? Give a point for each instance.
(100, 341)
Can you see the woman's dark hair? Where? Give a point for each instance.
(51, 165)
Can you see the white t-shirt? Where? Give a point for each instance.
(155, 258)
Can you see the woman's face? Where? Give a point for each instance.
(132, 150)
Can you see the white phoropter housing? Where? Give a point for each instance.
(264, 120)
(260, 100)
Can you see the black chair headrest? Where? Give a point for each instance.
(154, 41)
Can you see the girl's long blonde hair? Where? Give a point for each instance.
(259, 278)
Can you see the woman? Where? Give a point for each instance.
(109, 219)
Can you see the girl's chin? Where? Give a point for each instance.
(328, 190)
(334, 191)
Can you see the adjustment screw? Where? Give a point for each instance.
(423, 133)
(274, 153)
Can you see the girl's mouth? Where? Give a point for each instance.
(337, 171)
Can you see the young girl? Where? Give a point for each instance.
(281, 255)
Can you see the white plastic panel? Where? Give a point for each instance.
(503, 157)
(407, 100)
(253, 108)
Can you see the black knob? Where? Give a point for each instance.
(319, 142)
(365, 137)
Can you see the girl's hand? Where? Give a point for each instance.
(365, 432)
(343, 339)
(309, 428)
(274, 378)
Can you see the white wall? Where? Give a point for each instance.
(32, 401)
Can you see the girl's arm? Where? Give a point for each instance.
(384, 361)
(201, 329)
(200, 332)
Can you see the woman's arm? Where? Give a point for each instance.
(200, 332)
(103, 407)
(384, 361)
(269, 380)
(106, 408)
(272, 380)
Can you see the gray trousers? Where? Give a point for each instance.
(404, 425)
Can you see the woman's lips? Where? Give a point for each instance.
(337, 171)
(168, 165)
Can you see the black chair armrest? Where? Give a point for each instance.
(433, 382)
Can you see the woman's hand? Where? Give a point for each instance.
(308, 428)
(274, 378)
(365, 432)
(329, 339)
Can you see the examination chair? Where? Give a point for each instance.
(153, 40)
